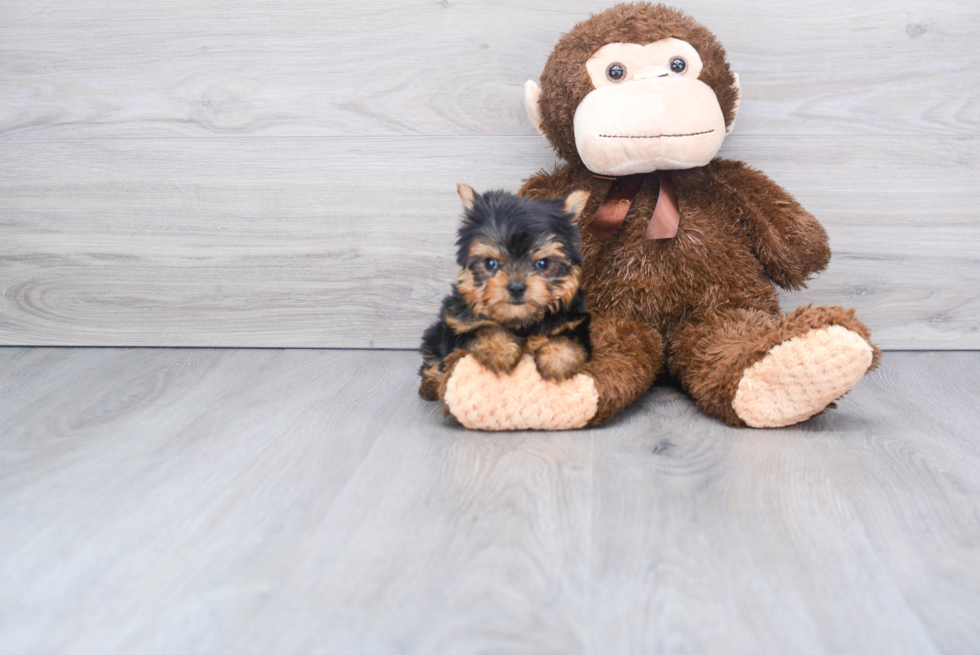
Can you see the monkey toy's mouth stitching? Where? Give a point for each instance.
(659, 136)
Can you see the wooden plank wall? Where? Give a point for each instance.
(258, 173)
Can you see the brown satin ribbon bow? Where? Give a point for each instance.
(612, 212)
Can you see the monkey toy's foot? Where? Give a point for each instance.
(483, 400)
(800, 377)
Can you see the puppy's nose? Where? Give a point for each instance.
(516, 288)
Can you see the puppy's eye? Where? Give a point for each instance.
(616, 72)
(678, 65)
(492, 264)
(541, 264)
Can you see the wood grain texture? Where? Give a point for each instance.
(348, 242)
(281, 174)
(389, 67)
(298, 501)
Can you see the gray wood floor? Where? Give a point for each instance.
(258, 501)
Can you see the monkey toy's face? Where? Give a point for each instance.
(648, 111)
(660, 102)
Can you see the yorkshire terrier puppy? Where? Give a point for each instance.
(517, 291)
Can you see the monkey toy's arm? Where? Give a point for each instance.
(786, 238)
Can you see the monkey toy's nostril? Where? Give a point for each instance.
(651, 73)
(516, 288)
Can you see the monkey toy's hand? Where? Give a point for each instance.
(497, 349)
(558, 358)
(625, 355)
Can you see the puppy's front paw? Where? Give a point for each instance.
(559, 359)
(497, 350)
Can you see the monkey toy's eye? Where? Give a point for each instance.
(491, 264)
(616, 72)
(678, 65)
(541, 264)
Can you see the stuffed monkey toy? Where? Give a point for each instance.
(682, 251)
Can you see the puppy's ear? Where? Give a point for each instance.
(575, 203)
(466, 194)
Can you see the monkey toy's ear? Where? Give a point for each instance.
(738, 101)
(532, 98)
(466, 194)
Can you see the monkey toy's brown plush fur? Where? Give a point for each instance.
(700, 302)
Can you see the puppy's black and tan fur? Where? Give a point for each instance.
(517, 291)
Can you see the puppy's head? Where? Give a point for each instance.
(518, 258)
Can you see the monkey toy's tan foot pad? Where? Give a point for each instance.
(799, 377)
(522, 400)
